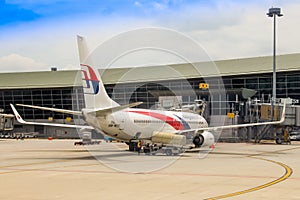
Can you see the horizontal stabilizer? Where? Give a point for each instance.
(72, 112)
(106, 111)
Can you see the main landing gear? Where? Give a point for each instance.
(132, 146)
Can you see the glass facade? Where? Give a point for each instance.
(65, 98)
(288, 85)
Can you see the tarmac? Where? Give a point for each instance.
(38, 169)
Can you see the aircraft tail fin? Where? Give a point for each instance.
(95, 94)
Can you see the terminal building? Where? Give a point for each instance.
(234, 81)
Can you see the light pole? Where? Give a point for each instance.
(273, 12)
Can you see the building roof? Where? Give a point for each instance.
(243, 66)
(43, 79)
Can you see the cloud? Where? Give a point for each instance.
(234, 30)
(137, 4)
(15, 62)
(159, 6)
(226, 29)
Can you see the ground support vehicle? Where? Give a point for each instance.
(168, 150)
(87, 142)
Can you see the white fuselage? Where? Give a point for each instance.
(134, 123)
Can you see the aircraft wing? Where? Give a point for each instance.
(215, 128)
(72, 112)
(22, 121)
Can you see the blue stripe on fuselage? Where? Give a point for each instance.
(185, 124)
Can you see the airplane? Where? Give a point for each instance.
(131, 125)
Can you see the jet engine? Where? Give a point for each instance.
(205, 139)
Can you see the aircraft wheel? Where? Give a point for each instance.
(131, 146)
(278, 141)
(169, 152)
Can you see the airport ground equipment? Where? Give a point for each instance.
(6, 124)
(150, 148)
(169, 150)
(86, 139)
(87, 142)
(294, 136)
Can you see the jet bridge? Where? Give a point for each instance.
(254, 110)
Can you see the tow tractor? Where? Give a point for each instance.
(169, 150)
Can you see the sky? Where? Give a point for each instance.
(36, 35)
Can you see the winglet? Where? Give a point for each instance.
(17, 115)
(283, 112)
(82, 48)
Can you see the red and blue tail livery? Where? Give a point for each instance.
(90, 80)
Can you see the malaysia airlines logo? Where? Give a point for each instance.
(90, 80)
(176, 124)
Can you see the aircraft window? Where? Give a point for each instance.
(152, 121)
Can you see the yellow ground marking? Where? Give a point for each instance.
(286, 175)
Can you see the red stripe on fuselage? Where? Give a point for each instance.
(171, 121)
